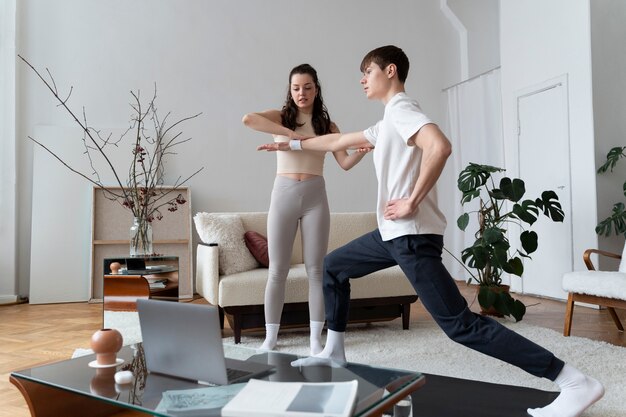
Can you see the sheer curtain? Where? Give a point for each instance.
(474, 126)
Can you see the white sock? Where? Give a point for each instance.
(316, 336)
(271, 336)
(578, 392)
(335, 346)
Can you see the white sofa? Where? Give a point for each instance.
(383, 295)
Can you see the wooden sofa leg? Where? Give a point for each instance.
(406, 315)
(237, 328)
(221, 311)
(615, 318)
(569, 313)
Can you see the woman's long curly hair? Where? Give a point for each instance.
(320, 118)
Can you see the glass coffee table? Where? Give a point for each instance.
(73, 388)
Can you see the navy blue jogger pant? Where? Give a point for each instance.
(419, 256)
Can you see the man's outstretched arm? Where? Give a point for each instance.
(331, 143)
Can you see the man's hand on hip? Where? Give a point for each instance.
(398, 209)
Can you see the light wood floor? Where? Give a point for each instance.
(31, 335)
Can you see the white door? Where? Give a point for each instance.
(544, 164)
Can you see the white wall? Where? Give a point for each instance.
(477, 49)
(8, 229)
(226, 58)
(481, 19)
(540, 41)
(609, 103)
(222, 58)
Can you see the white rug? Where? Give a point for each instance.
(425, 348)
(126, 322)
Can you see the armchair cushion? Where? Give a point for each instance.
(227, 231)
(599, 283)
(622, 264)
(604, 288)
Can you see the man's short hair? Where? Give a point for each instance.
(386, 55)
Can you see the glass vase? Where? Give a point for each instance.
(140, 237)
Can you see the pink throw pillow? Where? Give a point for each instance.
(257, 245)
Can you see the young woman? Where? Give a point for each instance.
(298, 196)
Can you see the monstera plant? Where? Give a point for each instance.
(616, 222)
(491, 255)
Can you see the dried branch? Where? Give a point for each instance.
(143, 192)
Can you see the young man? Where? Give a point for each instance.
(409, 154)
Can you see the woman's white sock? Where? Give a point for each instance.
(316, 336)
(271, 336)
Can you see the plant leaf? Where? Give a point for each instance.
(517, 266)
(612, 157)
(500, 258)
(475, 176)
(463, 221)
(529, 241)
(475, 256)
(514, 266)
(512, 307)
(497, 194)
(501, 302)
(514, 189)
(549, 202)
(517, 310)
(527, 211)
(615, 222)
(492, 235)
(469, 196)
(486, 297)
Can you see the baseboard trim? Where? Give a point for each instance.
(8, 299)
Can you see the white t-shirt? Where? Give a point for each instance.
(397, 166)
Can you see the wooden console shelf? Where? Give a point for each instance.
(110, 238)
(127, 242)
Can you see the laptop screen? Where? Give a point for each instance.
(185, 340)
(135, 264)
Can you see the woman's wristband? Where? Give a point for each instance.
(295, 145)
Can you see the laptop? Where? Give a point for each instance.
(136, 266)
(185, 341)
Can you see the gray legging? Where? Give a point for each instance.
(294, 201)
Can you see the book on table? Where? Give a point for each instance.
(261, 398)
(157, 282)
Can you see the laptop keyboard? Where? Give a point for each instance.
(233, 374)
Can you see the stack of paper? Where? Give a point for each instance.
(293, 399)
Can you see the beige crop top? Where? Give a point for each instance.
(300, 162)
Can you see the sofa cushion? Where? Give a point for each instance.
(248, 288)
(227, 231)
(257, 245)
(345, 227)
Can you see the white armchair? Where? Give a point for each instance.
(604, 288)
